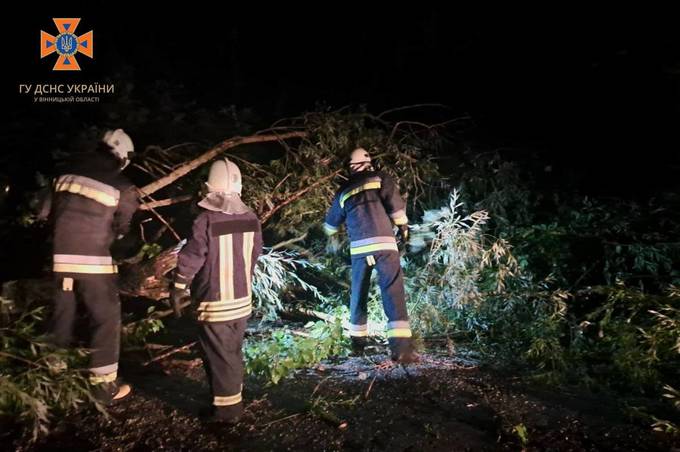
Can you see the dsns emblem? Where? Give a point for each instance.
(66, 44)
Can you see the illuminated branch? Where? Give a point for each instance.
(210, 154)
(165, 202)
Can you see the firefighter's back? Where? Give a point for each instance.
(366, 215)
(86, 197)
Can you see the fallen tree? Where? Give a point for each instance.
(294, 188)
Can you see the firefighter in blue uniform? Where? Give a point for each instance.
(369, 204)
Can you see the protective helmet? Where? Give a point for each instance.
(120, 144)
(224, 189)
(224, 177)
(359, 160)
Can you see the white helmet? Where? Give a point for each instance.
(224, 189)
(360, 160)
(224, 177)
(120, 144)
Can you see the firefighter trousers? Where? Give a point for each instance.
(391, 283)
(98, 294)
(221, 344)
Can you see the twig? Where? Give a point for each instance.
(186, 168)
(370, 386)
(249, 164)
(175, 146)
(157, 168)
(158, 163)
(170, 353)
(140, 167)
(267, 215)
(23, 360)
(285, 243)
(160, 217)
(152, 346)
(165, 202)
(280, 183)
(423, 125)
(318, 386)
(141, 230)
(282, 419)
(410, 107)
(150, 170)
(274, 129)
(280, 121)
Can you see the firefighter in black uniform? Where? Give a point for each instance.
(369, 204)
(90, 206)
(217, 265)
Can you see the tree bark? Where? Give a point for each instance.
(148, 278)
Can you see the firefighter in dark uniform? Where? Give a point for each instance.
(217, 265)
(90, 206)
(369, 204)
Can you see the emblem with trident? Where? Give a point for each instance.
(65, 44)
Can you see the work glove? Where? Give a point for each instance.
(333, 245)
(177, 297)
(403, 234)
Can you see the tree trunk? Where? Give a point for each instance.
(148, 279)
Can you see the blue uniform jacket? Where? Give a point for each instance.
(369, 203)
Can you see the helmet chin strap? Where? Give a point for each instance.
(126, 162)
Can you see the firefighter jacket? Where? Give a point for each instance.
(218, 263)
(369, 202)
(91, 204)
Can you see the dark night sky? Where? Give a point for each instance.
(601, 92)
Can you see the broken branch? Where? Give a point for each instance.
(170, 353)
(165, 202)
(267, 215)
(160, 217)
(186, 168)
(289, 242)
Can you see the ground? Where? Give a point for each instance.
(446, 402)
